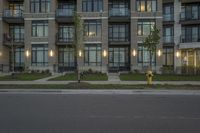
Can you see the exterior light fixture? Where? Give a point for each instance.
(27, 53)
(80, 53)
(0, 53)
(51, 53)
(178, 54)
(104, 53)
(134, 52)
(159, 53)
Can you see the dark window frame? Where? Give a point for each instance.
(146, 1)
(39, 3)
(93, 8)
(87, 27)
(36, 24)
(165, 56)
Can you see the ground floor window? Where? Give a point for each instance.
(19, 57)
(144, 56)
(190, 57)
(119, 57)
(92, 55)
(39, 54)
(66, 56)
(168, 56)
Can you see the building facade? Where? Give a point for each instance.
(38, 34)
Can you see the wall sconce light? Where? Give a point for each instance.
(104, 53)
(178, 54)
(80, 53)
(134, 52)
(27, 53)
(1, 54)
(159, 53)
(51, 53)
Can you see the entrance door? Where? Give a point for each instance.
(119, 59)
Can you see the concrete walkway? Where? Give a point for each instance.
(101, 82)
(47, 78)
(113, 77)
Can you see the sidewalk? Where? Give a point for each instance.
(101, 82)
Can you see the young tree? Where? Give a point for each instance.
(151, 42)
(78, 39)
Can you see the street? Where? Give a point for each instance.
(85, 113)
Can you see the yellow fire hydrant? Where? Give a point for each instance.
(149, 76)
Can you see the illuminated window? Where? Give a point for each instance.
(146, 5)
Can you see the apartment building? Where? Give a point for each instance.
(38, 34)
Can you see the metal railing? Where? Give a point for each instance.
(17, 38)
(12, 13)
(119, 39)
(63, 39)
(119, 12)
(187, 39)
(168, 39)
(64, 12)
(168, 17)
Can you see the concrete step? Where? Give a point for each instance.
(113, 77)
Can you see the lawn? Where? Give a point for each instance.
(24, 76)
(157, 77)
(87, 77)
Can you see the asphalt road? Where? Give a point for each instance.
(62, 113)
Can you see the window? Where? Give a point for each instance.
(168, 34)
(17, 32)
(119, 32)
(66, 56)
(92, 28)
(39, 28)
(168, 12)
(119, 57)
(65, 33)
(190, 34)
(190, 12)
(168, 56)
(92, 5)
(39, 55)
(66, 9)
(145, 27)
(40, 6)
(19, 57)
(118, 8)
(146, 5)
(144, 56)
(93, 54)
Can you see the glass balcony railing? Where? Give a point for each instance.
(193, 16)
(64, 38)
(119, 12)
(168, 39)
(188, 39)
(13, 13)
(64, 12)
(168, 17)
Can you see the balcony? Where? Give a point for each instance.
(18, 39)
(168, 18)
(189, 19)
(117, 14)
(13, 16)
(64, 15)
(63, 40)
(119, 40)
(168, 40)
(189, 39)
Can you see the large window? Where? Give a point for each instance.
(190, 34)
(66, 8)
(144, 56)
(168, 34)
(17, 32)
(146, 5)
(92, 55)
(66, 56)
(39, 55)
(39, 28)
(168, 56)
(119, 32)
(145, 27)
(168, 12)
(65, 33)
(40, 6)
(92, 5)
(118, 8)
(190, 11)
(119, 57)
(92, 28)
(19, 57)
